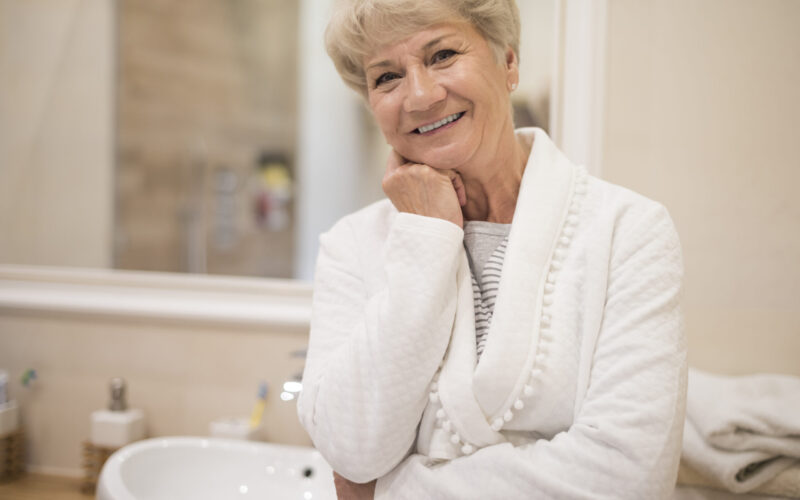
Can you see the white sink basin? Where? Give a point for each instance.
(196, 468)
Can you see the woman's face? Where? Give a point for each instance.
(440, 96)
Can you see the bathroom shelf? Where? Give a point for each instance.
(12, 460)
(259, 303)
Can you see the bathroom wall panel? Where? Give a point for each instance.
(183, 377)
(701, 114)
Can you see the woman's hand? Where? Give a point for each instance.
(348, 490)
(419, 189)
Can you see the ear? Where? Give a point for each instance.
(512, 68)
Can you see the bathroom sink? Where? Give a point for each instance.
(197, 468)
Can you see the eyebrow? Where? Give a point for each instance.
(425, 47)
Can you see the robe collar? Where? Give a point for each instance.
(477, 398)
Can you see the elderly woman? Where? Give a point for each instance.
(503, 325)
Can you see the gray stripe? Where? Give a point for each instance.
(486, 297)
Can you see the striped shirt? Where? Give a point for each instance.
(485, 243)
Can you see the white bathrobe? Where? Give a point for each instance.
(581, 390)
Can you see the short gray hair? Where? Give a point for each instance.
(359, 25)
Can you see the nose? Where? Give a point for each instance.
(423, 91)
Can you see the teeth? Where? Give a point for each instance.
(442, 122)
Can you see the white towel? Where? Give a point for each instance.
(785, 485)
(742, 431)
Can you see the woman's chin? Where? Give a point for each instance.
(441, 159)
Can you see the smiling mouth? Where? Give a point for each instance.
(441, 123)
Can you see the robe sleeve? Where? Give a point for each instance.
(625, 440)
(373, 354)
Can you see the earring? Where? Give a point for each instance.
(513, 86)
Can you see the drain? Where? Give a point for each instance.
(308, 472)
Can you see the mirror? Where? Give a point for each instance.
(187, 136)
(206, 99)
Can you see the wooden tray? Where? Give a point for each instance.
(93, 459)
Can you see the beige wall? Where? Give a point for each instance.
(702, 105)
(183, 377)
(56, 132)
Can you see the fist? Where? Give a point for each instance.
(423, 190)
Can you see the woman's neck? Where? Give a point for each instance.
(492, 188)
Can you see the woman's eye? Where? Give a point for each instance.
(384, 78)
(443, 55)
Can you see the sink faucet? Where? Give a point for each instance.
(293, 386)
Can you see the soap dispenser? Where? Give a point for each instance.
(118, 425)
(9, 416)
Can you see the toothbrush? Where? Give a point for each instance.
(258, 408)
(28, 376)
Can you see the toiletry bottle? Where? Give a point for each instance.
(9, 416)
(118, 425)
